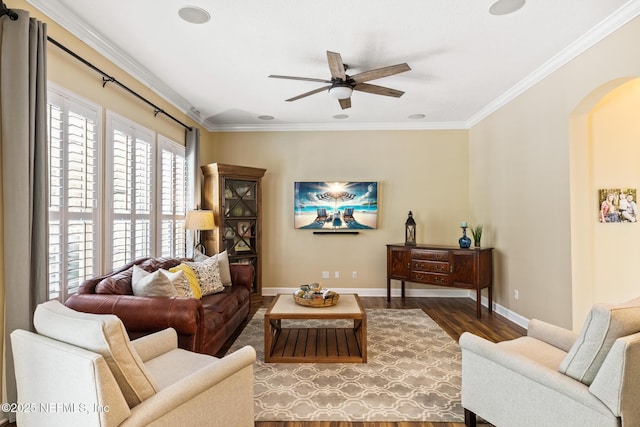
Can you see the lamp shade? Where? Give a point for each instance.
(199, 220)
(341, 92)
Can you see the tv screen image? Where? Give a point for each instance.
(336, 205)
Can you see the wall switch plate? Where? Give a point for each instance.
(336, 275)
(325, 274)
(515, 295)
(354, 274)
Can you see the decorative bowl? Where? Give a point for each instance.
(312, 295)
(318, 302)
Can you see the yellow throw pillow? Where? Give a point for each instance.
(196, 292)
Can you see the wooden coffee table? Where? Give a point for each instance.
(315, 345)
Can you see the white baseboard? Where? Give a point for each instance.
(432, 293)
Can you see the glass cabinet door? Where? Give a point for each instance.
(240, 217)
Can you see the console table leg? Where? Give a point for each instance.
(479, 303)
(402, 291)
(388, 290)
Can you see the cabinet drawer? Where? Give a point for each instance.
(431, 266)
(430, 255)
(431, 278)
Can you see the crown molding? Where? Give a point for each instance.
(313, 127)
(616, 20)
(72, 23)
(76, 26)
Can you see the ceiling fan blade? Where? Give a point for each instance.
(380, 72)
(336, 65)
(306, 79)
(378, 90)
(345, 103)
(308, 93)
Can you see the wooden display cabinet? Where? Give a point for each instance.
(234, 194)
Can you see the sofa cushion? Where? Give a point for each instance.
(208, 272)
(159, 283)
(223, 264)
(103, 334)
(605, 323)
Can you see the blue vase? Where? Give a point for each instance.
(464, 241)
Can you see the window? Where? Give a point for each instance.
(172, 196)
(74, 216)
(143, 208)
(130, 198)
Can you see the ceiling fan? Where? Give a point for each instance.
(342, 85)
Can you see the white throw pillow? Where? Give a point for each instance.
(223, 264)
(103, 334)
(605, 324)
(154, 284)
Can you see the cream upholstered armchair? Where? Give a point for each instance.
(554, 377)
(81, 369)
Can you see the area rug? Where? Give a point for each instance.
(413, 374)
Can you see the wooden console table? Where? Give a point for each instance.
(443, 266)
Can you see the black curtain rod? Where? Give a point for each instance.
(106, 78)
(4, 10)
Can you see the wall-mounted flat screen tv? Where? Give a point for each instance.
(335, 206)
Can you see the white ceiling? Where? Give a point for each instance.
(465, 62)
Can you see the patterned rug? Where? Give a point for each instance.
(413, 374)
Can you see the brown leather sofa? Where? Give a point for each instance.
(202, 325)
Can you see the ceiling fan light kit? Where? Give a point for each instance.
(341, 86)
(341, 91)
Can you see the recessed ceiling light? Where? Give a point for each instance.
(417, 116)
(194, 14)
(341, 116)
(266, 117)
(504, 7)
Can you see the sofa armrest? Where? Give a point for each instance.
(228, 383)
(551, 334)
(524, 367)
(242, 275)
(151, 346)
(144, 314)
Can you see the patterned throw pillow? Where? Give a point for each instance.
(192, 288)
(223, 264)
(208, 273)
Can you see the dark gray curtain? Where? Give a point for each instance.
(23, 138)
(192, 151)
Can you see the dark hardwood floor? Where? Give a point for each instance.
(454, 315)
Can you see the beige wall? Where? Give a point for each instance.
(422, 171)
(530, 177)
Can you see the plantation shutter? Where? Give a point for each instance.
(131, 177)
(73, 194)
(172, 196)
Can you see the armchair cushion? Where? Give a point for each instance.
(103, 334)
(605, 323)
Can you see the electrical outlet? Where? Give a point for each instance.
(515, 295)
(325, 274)
(336, 275)
(354, 274)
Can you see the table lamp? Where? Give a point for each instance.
(199, 220)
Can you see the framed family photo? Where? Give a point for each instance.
(617, 205)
